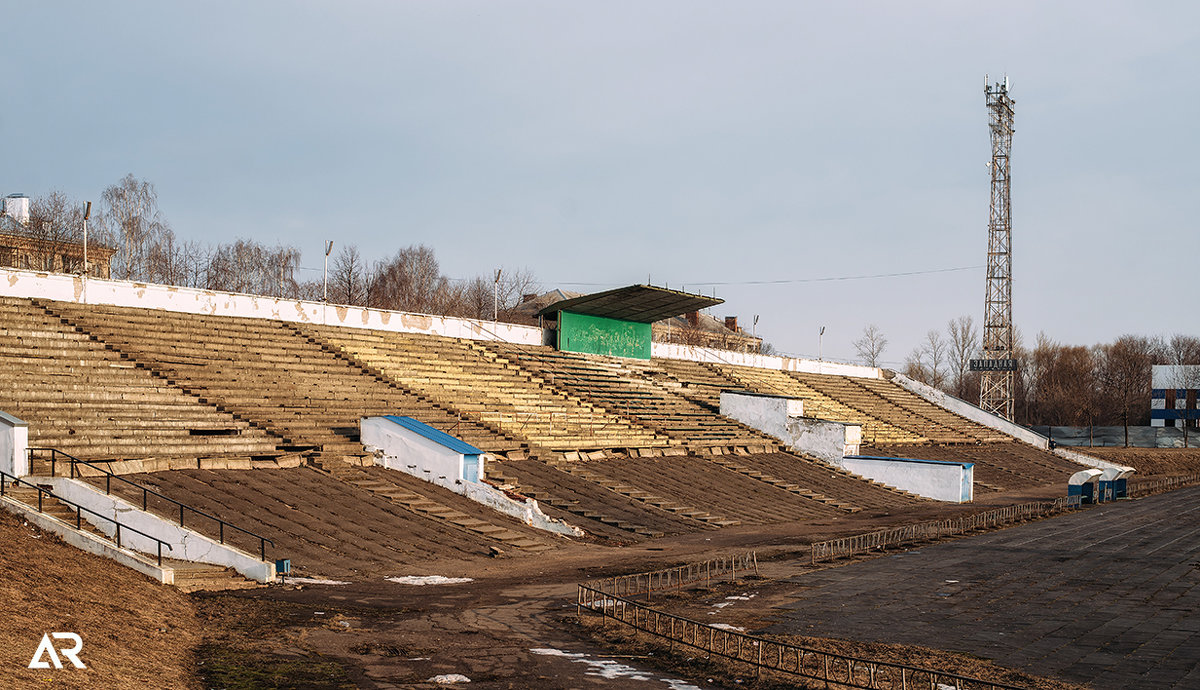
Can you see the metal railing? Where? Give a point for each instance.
(680, 576)
(1148, 486)
(147, 492)
(7, 480)
(772, 655)
(936, 529)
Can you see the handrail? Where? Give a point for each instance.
(109, 475)
(637, 584)
(79, 511)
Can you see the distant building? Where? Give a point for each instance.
(58, 256)
(1173, 394)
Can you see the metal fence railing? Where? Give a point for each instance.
(680, 576)
(1148, 486)
(73, 463)
(936, 529)
(773, 655)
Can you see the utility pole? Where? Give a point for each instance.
(87, 212)
(998, 366)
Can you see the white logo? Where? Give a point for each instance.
(47, 647)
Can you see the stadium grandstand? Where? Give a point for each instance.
(166, 397)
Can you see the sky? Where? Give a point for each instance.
(751, 149)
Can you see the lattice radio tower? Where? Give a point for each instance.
(996, 390)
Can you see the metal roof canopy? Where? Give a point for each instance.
(641, 303)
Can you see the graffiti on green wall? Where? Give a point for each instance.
(597, 335)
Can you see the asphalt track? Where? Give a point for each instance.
(1108, 596)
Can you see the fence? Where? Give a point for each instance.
(670, 578)
(927, 531)
(1147, 487)
(772, 655)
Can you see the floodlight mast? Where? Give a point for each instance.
(997, 383)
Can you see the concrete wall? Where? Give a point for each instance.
(420, 456)
(783, 418)
(942, 481)
(186, 545)
(14, 445)
(715, 356)
(397, 448)
(71, 288)
(971, 412)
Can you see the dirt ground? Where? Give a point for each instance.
(512, 626)
(136, 633)
(1150, 461)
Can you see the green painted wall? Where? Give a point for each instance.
(596, 335)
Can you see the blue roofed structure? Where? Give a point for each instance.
(455, 444)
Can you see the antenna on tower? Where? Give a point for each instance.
(998, 365)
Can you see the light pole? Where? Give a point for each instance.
(820, 339)
(325, 272)
(496, 296)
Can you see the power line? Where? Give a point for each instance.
(785, 281)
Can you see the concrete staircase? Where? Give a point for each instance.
(647, 498)
(420, 503)
(728, 463)
(506, 483)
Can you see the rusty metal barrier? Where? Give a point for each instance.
(1147, 487)
(936, 529)
(772, 655)
(670, 578)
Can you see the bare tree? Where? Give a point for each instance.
(963, 345)
(130, 211)
(1124, 375)
(871, 345)
(55, 220)
(348, 280)
(927, 362)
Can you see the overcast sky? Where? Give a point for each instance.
(704, 145)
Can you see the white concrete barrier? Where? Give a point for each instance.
(14, 445)
(783, 418)
(186, 544)
(943, 481)
(72, 288)
(407, 445)
(972, 412)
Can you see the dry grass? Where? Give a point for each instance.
(136, 633)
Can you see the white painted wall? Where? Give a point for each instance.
(397, 448)
(14, 445)
(419, 456)
(973, 413)
(715, 356)
(1082, 459)
(783, 418)
(72, 288)
(186, 544)
(942, 481)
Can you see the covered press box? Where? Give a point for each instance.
(1086, 485)
(1113, 483)
(416, 448)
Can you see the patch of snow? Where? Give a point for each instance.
(612, 670)
(288, 579)
(726, 626)
(449, 679)
(721, 605)
(422, 580)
